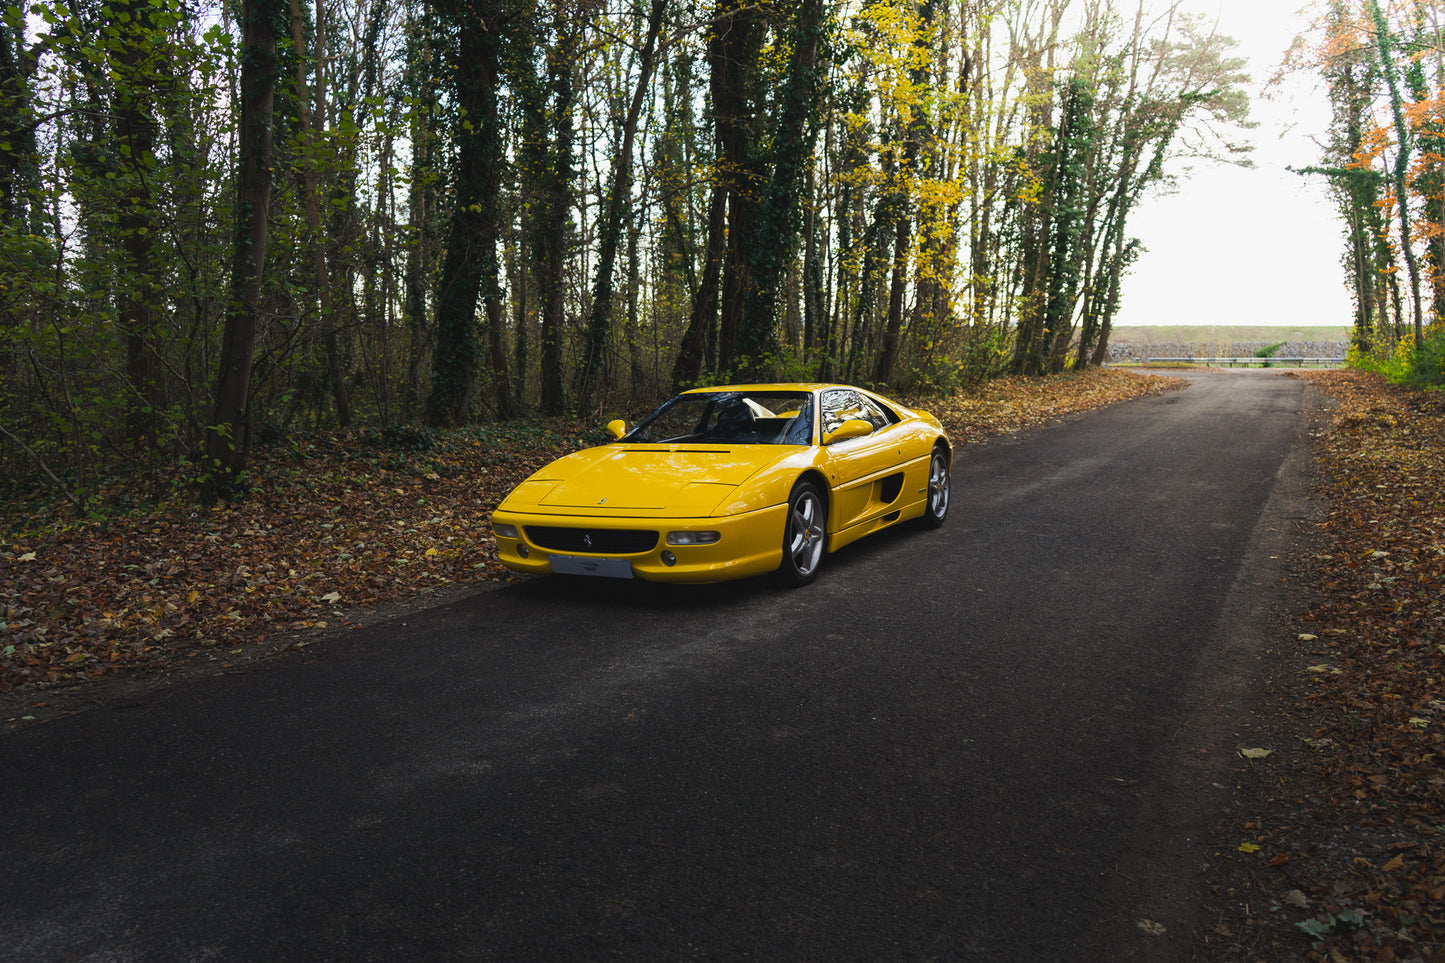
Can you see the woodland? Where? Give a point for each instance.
(371, 263)
(225, 224)
(1381, 64)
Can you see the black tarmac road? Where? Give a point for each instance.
(1000, 740)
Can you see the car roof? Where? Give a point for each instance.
(776, 386)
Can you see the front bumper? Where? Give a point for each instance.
(750, 544)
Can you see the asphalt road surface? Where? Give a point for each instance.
(998, 741)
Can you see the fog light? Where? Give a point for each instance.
(522, 549)
(503, 530)
(669, 559)
(692, 538)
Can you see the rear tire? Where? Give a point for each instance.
(936, 510)
(805, 535)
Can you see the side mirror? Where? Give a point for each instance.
(852, 428)
(617, 429)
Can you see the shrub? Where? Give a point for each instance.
(1427, 362)
(1385, 356)
(1403, 363)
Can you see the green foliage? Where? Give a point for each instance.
(108, 291)
(1427, 362)
(976, 355)
(1269, 351)
(1400, 361)
(882, 215)
(1350, 921)
(403, 437)
(787, 364)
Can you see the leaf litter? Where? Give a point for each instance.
(1354, 827)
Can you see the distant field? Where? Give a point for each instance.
(1187, 333)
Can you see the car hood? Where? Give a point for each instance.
(678, 480)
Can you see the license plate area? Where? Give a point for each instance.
(601, 567)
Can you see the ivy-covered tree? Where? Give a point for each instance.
(470, 269)
(455, 210)
(779, 217)
(230, 434)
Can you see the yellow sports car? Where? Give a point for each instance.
(723, 483)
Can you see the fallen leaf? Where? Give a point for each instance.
(27, 557)
(1255, 753)
(332, 597)
(1248, 848)
(1394, 865)
(1151, 928)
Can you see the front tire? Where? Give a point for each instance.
(804, 535)
(938, 494)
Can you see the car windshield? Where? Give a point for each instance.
(731, 418)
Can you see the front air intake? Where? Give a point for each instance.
(592, 541)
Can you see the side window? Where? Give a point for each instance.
(843, 404)
(800, 430)
(839, 405)
(872, 411)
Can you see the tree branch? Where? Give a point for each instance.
(45, 468)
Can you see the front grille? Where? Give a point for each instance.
(595, 541)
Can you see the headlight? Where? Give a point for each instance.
(503, 530)
(692, 538)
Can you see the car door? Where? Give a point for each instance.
(860, 470)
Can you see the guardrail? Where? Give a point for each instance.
(1245, 362)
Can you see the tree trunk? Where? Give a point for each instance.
(420, 204)
(733, 50)
(892, 331)
(687, 369)
(638, 379)
(521, 319)
(600, 324)
(471, 252)
(311, 203)
(1402, 161)
(136, 128)
(715, 306)
(812, 271)
(552, 230)
(778, 225)
(228, 442)
(1118, 265)
(493, 309)
(19, 172)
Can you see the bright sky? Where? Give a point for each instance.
(1239, 246)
